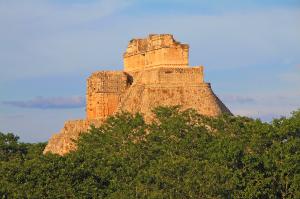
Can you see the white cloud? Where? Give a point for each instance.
(292, 76)
(41, 38)
(35, 11)
(238, 99)
(265, 106)
(50, 103)
(36, 125)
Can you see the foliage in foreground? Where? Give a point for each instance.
(180, 155)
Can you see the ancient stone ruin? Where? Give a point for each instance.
(156, 72)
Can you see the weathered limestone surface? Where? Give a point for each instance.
(62, 142)
(155, 51)
(104, 90)
(172, 86)
(156, 72)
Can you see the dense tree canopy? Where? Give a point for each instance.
(180, 155)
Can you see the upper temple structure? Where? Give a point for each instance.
(154, 52)
(156, 72)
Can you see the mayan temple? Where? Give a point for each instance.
(156, 72)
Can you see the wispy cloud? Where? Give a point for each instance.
(264, 106)
(49, 103)
(11, 117)
(237, 99)
(58, 12)
(53, 36)
(292, 75)
(50, 38)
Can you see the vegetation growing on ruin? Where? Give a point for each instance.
(180, 155)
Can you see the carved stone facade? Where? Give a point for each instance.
(104, 90)
(155, 51)
(156, 72)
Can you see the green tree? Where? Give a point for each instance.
(181, 154)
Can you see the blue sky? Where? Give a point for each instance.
(250, 50)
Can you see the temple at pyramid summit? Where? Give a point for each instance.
(156, 73)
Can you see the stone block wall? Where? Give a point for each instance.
(155, 51)
(104, 90)
(63, 142)
(171, 86)
(172, 76)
